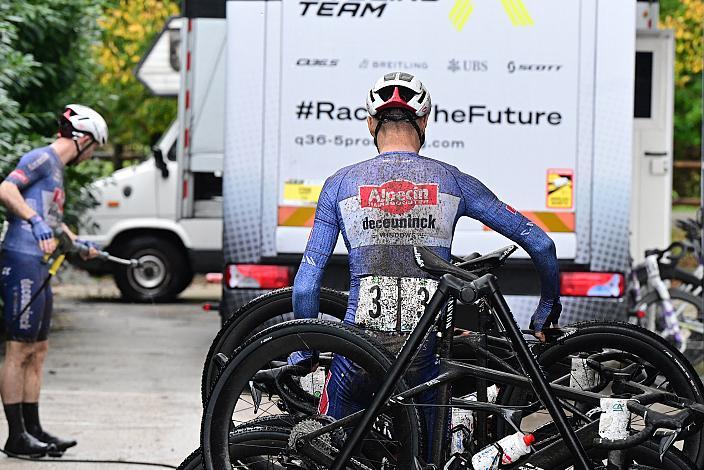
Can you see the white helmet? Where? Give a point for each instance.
(78, 120)
(398, 90)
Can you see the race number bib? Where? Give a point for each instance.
(392, 303)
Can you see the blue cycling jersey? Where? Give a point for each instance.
(383, 207)
(40, 178)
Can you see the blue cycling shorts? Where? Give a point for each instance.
(348, 388)
(21, 277)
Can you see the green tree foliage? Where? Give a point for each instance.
(45, 63)
(127, 28)
(686, 18)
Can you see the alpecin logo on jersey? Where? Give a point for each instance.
(399, 196)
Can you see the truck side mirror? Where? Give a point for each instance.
(160, 163)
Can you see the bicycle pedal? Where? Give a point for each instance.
(220, 361)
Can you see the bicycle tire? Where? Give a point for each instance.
(254, 441)
(280, 340)
(256, 315)
(647, 456)
(590, 336)
(693, 351)
(676, 294)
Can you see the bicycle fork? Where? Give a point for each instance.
(672, 325)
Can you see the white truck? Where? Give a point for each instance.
(167, 211)
(563, 108)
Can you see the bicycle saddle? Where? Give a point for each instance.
(469, 269)
(435, 265)
(489, 261)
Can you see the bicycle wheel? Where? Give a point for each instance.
(252, 447)
(395, 439)
(690, 313)
(258, 314)
(645, 456)
(616, 346)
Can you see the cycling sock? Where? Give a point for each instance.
(15, 424)
(30, 413)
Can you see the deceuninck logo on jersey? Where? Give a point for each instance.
(398, 196)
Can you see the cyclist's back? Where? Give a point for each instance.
(383, 207)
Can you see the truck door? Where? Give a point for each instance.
(651, 201)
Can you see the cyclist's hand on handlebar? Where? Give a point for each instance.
(43, 234)
(550, 321)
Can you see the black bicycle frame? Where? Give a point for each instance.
(486, 286)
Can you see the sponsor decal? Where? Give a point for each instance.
(308, 62)
(25, 297)
(58, 199)
(473, 114)
(392, 64)
(324, 403)
(403, 222)
(513, 67)
(353, 9)
(20, 175)
(467, 65)
(559, 189)
(419, 259)
(515, 10)
(398, 196)
(38, 162)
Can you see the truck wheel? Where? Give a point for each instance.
(164, 271)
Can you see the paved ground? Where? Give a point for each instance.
(123, 379)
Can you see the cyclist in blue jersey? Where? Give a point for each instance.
(33, 193)
(383, 207)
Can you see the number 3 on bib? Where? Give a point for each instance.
(392, 303)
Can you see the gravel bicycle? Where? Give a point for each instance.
(390, 431)
(676, 313)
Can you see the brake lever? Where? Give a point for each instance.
(667, 440)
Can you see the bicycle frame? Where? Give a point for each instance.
(486, 286)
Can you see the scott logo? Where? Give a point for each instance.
(398, 196)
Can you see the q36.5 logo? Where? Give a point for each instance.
(307, 62)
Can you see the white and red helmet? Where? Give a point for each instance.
(78, 120)
(398, 90)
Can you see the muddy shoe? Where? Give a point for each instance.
(26, 445)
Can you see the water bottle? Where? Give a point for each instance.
(506, 451)
(314, 382)
(615, 419)
(463, 421)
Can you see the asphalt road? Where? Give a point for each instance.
(123, 379)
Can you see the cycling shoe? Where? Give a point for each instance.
(26, 445)
(60, 445)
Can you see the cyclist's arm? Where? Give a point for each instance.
(483, 205)
(306, 286)
(323, 237)
(27, 172)
(11, 197)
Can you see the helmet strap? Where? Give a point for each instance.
(79, 150)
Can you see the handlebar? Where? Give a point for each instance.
(660, 253)
(654, 420)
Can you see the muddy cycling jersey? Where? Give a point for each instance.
(40, 178)
(383, 207)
